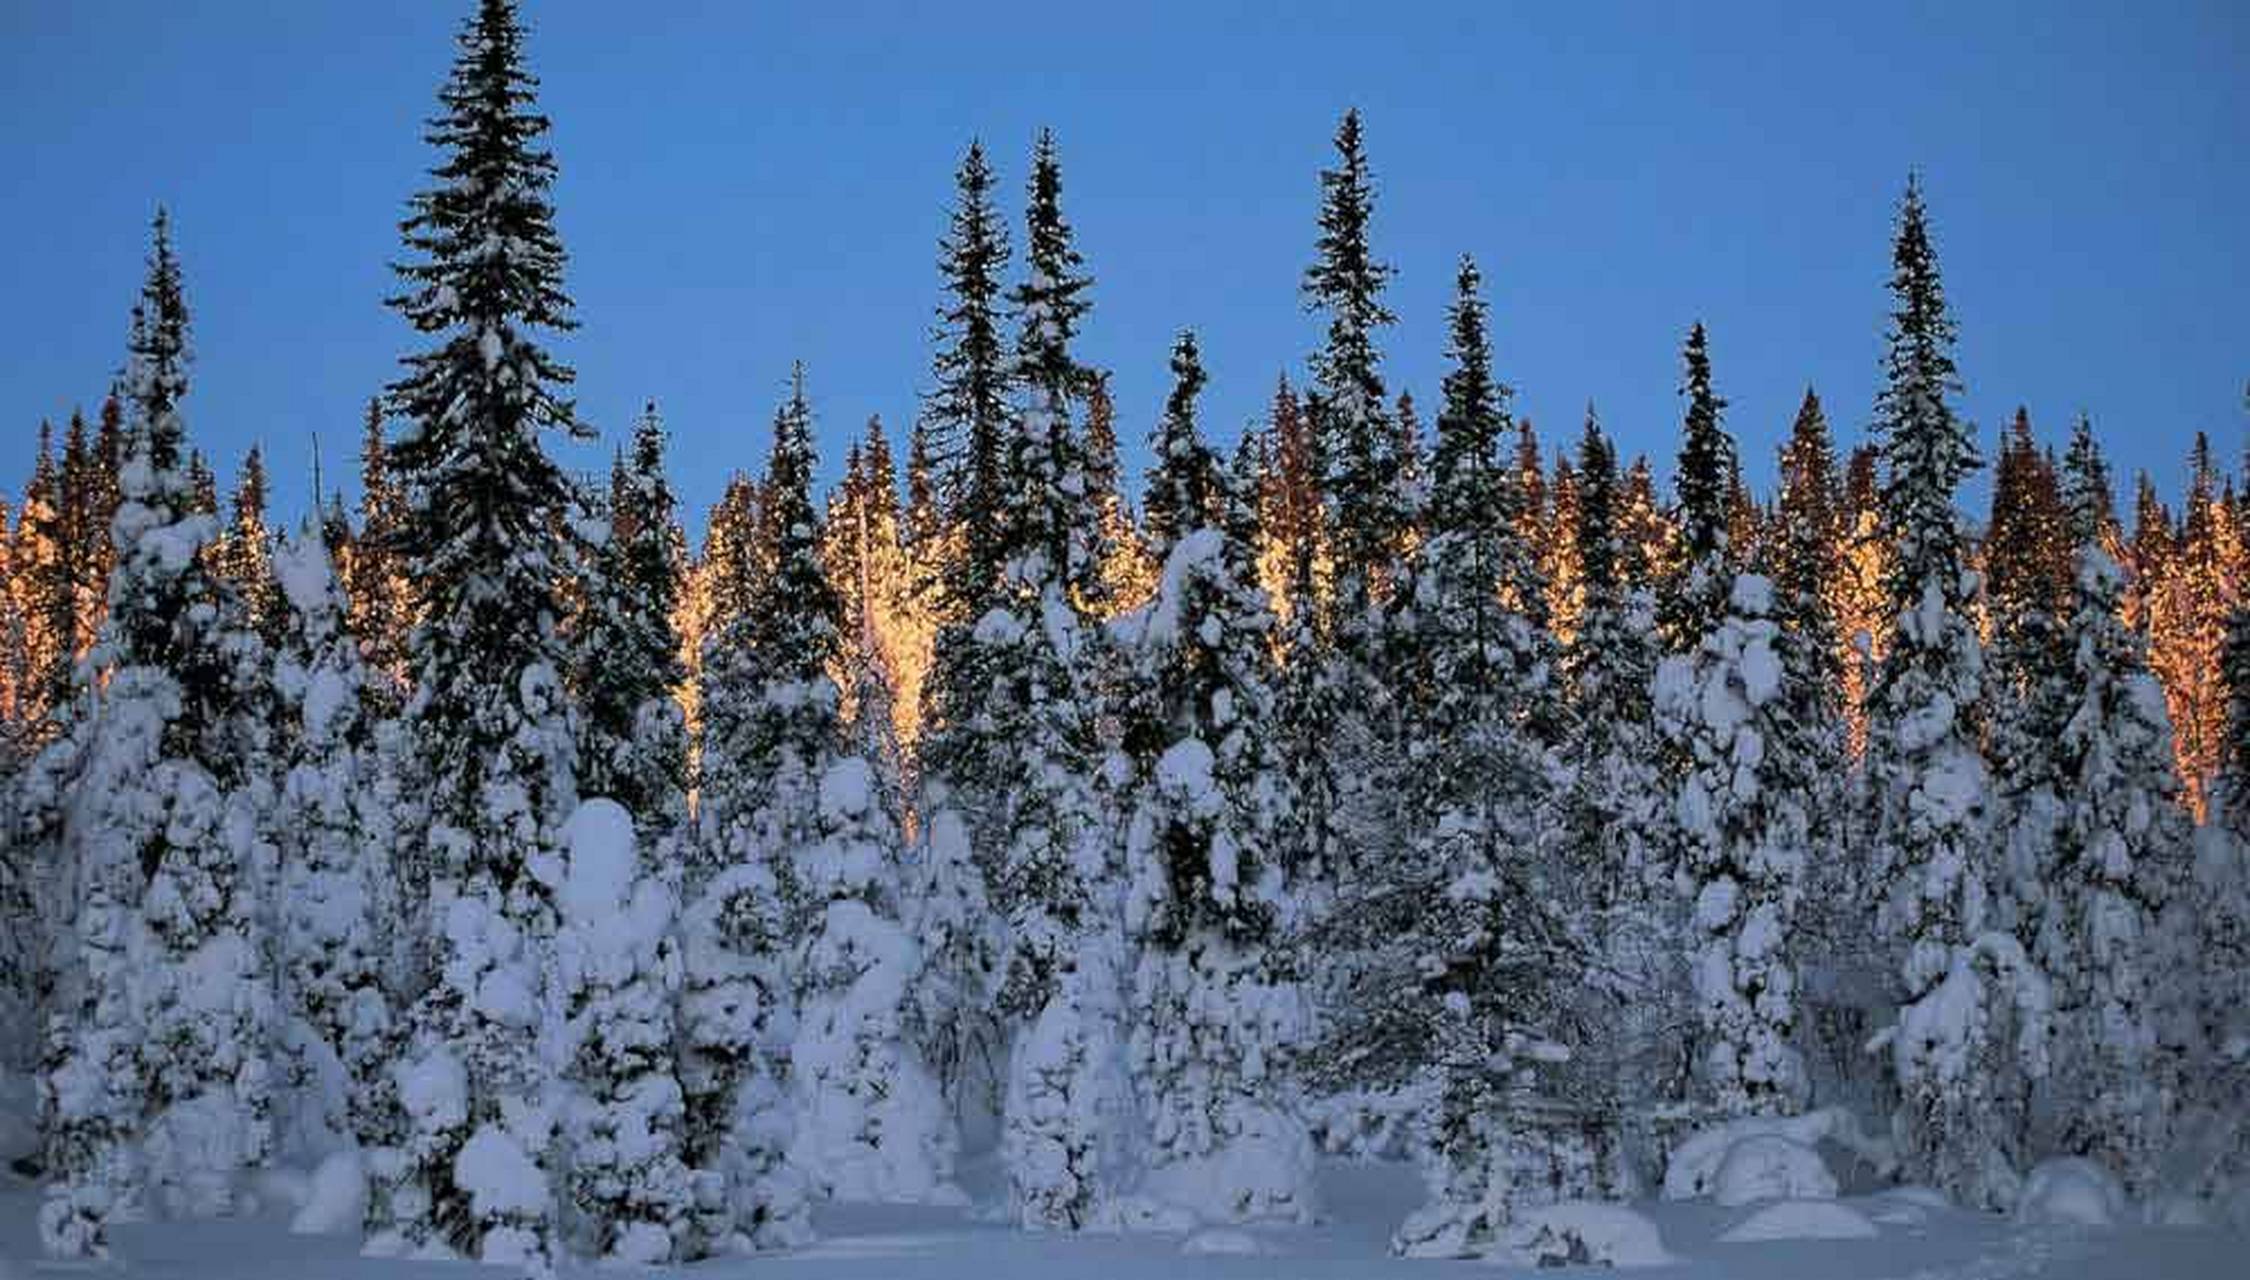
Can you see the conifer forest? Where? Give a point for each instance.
(1388, 795)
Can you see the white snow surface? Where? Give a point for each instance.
(1801, 1220)
(1365, 1200)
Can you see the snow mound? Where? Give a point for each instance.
(1583, 1233)
(1907, 1206)
(2072, 1191)
(336, 1197)
(1694, 1168)
(1801, 1220)
(1221, 1241)
(1768, 1166)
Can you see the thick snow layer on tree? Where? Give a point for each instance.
(1801, 1220)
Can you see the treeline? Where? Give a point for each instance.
(1371, 786)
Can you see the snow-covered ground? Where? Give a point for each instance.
(1911, 1239)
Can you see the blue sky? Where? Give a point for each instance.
(747, 184)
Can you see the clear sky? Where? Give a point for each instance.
(744, 184)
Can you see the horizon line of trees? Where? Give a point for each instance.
(1368, 787)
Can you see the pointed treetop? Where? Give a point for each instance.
(1707, 458)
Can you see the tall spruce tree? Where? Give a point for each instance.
(1961, 1081)
(770, 733)
(154, 1088)
(1454, 950)
(1212, 1015)
(965, 416)
(1366, 519)
(481, 537)
(334, 884)
(2121, 843)
(1840, 973)
(1614, 825)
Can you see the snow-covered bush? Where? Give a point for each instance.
(1581, 1233)
(617, 976)
(1968, 1055)
(338, 1018)
(870, 1123)
(2072, 1191)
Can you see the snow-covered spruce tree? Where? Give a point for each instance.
(1460, 912)
(2222, 922)
(1840, 972)
(1695, 598)
(965, 422)
(630, 1194)
(2029, 690)
(1744, 822)
(960, 540)
(871, 1119)
(159, 1079)
(2123, 837)
(1367, 515)
(334, 1039)
(381, 598)
(1181, 495)
(625, 651)
(1212, 1016)
(1961, 1054)
(480, 536)
(1052, 866)
(770, 734)
(1614, 826)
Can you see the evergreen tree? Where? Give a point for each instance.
(1840, 972)
(1293, 521)
(1926, 787)
(334, 868)
(377, 587)
(1614, 825)
(161, 831)
(1463, 907)
(1706, 480)
(966, 414)
(481, 537)
(1047, 459)
(771, 732)
(1128, 568)
(1061, 985)
(1212, 1014)
(871, 1123)
(244, 553)
(43, 560)
(2029, 692)
(625, 661)
(629, 1195)
(2122, 839)
(1745, 822)
(1367, 521)
(1181, 495)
